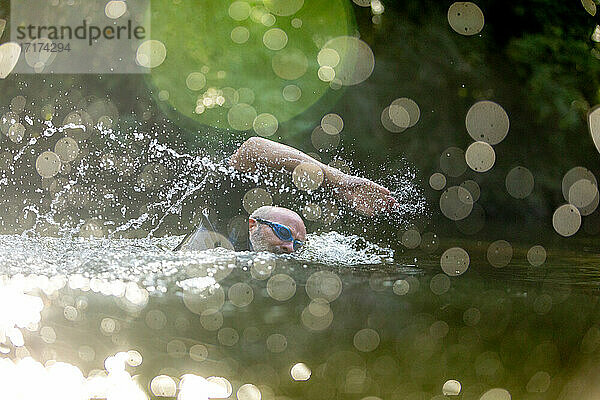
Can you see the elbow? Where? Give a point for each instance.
(254, 143)
(239, 160)
(251, 144)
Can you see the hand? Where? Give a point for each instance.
(365, 196)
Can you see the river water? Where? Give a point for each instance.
(129, 319)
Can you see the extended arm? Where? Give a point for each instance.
(362, 194)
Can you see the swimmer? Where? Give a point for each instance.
(280, 230)
(276, 230)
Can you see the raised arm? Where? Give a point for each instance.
(257, 151)
(359, 193)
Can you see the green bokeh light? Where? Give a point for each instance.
(207, 64)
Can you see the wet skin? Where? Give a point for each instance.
(281, 216)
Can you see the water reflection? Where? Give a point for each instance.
(219, 324)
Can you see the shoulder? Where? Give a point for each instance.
(200, 238)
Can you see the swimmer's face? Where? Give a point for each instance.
(264, 239)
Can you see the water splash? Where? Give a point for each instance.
(333, 248)
(152, 263)
(129, 183)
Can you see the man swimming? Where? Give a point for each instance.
(281, 230)
(276, 229)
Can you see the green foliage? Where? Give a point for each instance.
(556, 72)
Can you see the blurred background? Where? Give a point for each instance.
(536, 60)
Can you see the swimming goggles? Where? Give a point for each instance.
(282, 232)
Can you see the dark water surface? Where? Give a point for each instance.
(128, 319)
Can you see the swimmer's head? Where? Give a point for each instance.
(262, 236)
